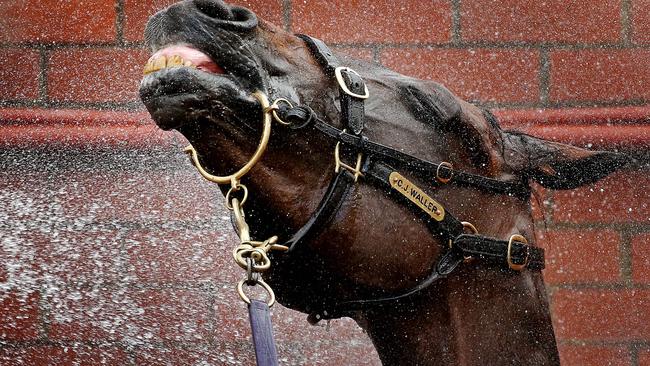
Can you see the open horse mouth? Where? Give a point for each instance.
(202, 66)
(181, 56)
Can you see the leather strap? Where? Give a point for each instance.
(262, 329)
(352, 108)
(337, 192)
(496, 251)
(422, 167)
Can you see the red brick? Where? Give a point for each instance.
(182, 255)
(600, 75)
(19, 316)
(91, 255)
(644, 357)
(338, 353)
(92, 314)
(219, 354)
(141, 196)
(541, 21)
(20, 266)
(641, 258)
(137, 12)
(67, 136)
(79, 355)
(231, 314)
(359, 53)
(45, 21)
(572, 355)
(146, 316)
(474, 74)
(582, 256)
(620, 198)
(365, 21)
(149, 195)
(641, 21)
(19, 74)
(174, 315)
(603, 315)
(95, 75)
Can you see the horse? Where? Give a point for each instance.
(404, 207)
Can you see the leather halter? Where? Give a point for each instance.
(376, 163)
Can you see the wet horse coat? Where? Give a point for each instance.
(209, 57)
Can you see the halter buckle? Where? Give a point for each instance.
(522, 240)
(356, 170)
(339, 78)
(444, 179)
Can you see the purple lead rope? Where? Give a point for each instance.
(260, 316)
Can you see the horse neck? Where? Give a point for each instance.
(478, 316)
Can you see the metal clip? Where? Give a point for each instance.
(339, 164)
(339, 77)
(258, 252)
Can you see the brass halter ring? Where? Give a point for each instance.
(274, 110)
(264, 141)
(243, 296)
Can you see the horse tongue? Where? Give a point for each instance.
(197, 58)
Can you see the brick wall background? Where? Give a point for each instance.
(105, 258)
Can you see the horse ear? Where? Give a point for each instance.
(558, 166)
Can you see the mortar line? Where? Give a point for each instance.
(456, 30)
(626, 22)
(287, 14)
(544, 76)
(634, 353)
(119, 22)
(42, 76)
(625, 263)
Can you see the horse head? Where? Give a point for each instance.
(209, 58)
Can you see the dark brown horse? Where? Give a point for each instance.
(209, 59)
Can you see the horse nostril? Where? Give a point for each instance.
(230, 17)
(214, 9)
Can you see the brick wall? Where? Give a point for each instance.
(107, 260)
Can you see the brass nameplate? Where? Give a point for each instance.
(417, 196)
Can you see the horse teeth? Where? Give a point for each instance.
(164, 62)
(175, 60)
(159, 63)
